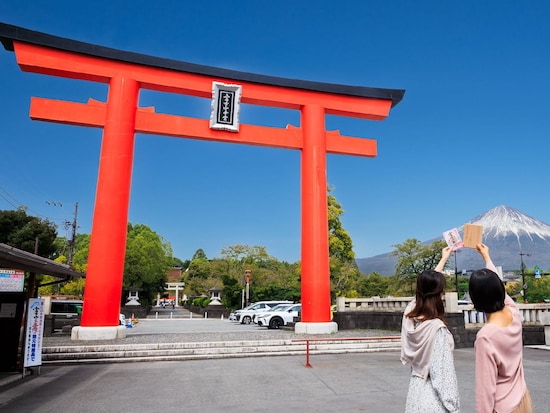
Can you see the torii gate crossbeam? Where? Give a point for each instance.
(121, 117)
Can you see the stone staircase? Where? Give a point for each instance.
(124, 353)
(171, 313)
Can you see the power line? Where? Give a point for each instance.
(19, 204)
(11, 196)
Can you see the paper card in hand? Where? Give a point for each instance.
(472, 235)
(452, 237)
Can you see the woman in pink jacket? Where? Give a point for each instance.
(500, 384)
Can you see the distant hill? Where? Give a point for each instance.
(506, 231)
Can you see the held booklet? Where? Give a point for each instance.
(472, 235)
(452, 237)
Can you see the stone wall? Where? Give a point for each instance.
(368, 319)
(464, 337)
(137, 310)
(212, 311)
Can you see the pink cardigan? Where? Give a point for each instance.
(500, 384)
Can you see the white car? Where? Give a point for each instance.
(277, 319)
(245, 315)
(280, 307)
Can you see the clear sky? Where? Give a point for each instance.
(471, 133)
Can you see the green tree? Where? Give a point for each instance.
(513, 289)
(373, 285)
(31, 234)
(199, 268)
(197, 275)
(270, 279)
(413, 257)
(538, 289)
(199, 254)
(81, 251)
(148, 259)
(231, 292)
(74, 287)
(80, 261)
(179, 263)
(22, 231)
(244, 254)
(344, 273)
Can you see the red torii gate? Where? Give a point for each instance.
(121, 117)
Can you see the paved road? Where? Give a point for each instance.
(373, 382)
(367, 382)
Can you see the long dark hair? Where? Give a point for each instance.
(429, 304)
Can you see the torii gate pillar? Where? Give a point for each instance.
(121, 117)
(315, 254)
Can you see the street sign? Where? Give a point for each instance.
(537, 273)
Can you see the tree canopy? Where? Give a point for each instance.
(148, 259)
(344, 273)
(413, 257)
(28, 233)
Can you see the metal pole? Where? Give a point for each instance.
(247, 273)
(73, 237)
(456, 278)
(523, 285)
(307, 355)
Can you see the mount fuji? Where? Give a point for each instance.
(506, 231)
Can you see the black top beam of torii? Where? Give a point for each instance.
(10, 33)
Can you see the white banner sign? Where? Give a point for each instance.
(34, 332)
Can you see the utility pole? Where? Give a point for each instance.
(247, 274)
(73, 237)
(456, 278)
(523, 285)
(73, 226)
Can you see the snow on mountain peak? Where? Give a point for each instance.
(503, 221)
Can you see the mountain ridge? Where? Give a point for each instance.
(506, 231)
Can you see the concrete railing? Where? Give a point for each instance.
(393, 304)
(531, 314)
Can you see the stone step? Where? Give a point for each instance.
(177, 313)
(120, 353)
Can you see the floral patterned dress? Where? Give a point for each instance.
(438, 393)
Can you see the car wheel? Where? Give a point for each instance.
(275, 323)
(247, 320)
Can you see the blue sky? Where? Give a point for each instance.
(471, 133)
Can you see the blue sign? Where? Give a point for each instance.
(537, 273)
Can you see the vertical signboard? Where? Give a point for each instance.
(34, 332)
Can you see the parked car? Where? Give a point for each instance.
(64, 312)
(245, 315)
(277, 319)
(280, 307)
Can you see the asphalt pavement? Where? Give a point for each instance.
(360, 382)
